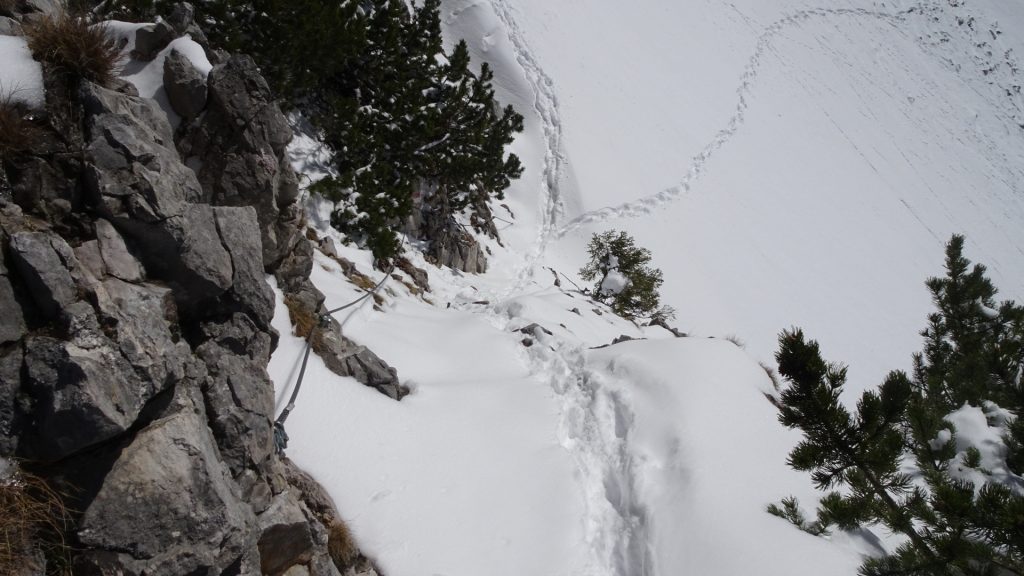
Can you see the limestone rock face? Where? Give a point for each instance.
(286, 540)
(449, 244)
(117, 260)
(249, 168)
(185, 86)
(10, 388)
(146, 192)
(239, 232)
(138, 317)
(166, 499)
(238, 392)
(347, 358)
(135, 321)
(84, 393)
(44, 262)
(12, 320)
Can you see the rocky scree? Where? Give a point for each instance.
(135, 323)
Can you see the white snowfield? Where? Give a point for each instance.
(787, 163)
(21, 77)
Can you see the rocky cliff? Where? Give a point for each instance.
(135, 320)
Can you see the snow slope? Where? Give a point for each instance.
(787, 163)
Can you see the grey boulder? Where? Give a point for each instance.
(166, 500)
(84, 393)
(239, 232)
(44, 262)
(138, 317)
(346, 358)
(185, 86)
(12, 320)
(286, 540)
(151, 39)
(117, 260)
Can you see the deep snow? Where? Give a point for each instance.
(787, 164)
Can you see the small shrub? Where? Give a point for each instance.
(72, 46)
(622, 276)
(33, 524)
(663, 315)
(17, 133)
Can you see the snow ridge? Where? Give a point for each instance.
(649, 204)
(546, 106)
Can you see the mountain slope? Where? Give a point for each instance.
(786, 163)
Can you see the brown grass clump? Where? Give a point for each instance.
(302, 318)
(341, 546)
(17, 133)
(736, 341)
(72, 46)
(772, 375)
(33, 521)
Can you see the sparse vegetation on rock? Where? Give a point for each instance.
(72, 46)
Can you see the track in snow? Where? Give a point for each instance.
(649, 204)
(597, 422)
(546, 106)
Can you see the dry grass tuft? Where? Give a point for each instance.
(362, 281)
(341, 546)
(72, 46)
(33, 521)
(412, 288)
(302, 318)
(17, 133)
(736, 341)
(772, 375)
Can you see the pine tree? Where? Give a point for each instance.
(615, 252)
(973, 347)
(953, 526)
(397, 111)
(465, 153)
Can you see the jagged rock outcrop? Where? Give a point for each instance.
(135, 325)
(166, 499)
(240, 142)
(448, 242)
(340, 354)
(185, 86)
